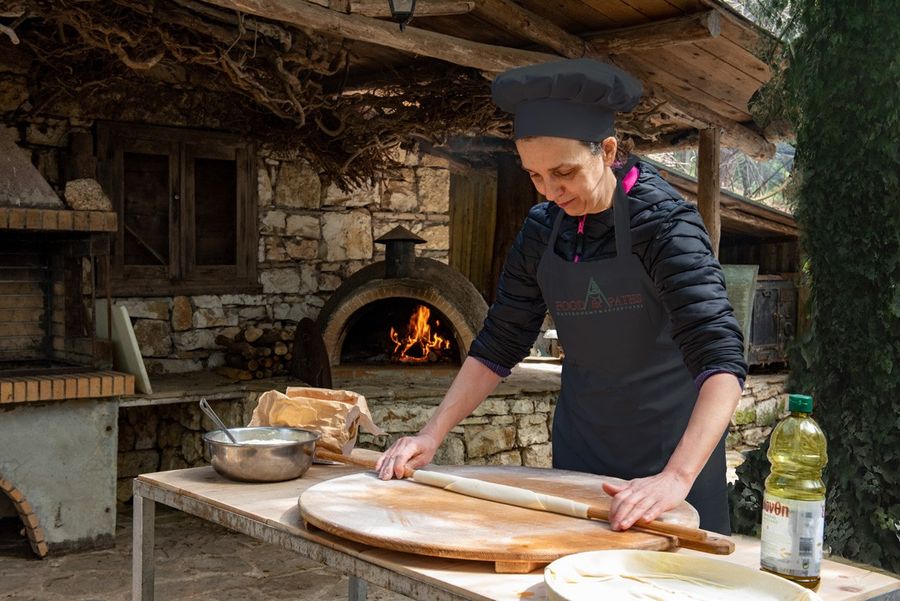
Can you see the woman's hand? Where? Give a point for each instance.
(644, 499)
(409, 451)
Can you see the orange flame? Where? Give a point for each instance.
(419, 337)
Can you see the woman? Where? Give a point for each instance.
(654, 356)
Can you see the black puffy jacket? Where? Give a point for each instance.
(668, 236)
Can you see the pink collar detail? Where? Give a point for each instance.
(627, 184)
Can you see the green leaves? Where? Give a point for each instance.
(837, 82)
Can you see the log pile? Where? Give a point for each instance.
(255, 353)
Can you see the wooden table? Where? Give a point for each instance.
(269, 512)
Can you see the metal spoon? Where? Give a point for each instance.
(212, 415)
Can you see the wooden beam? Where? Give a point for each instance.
(669, 143)
(485, 57)
(696, 115)
(424, 8)
(732, 204)
(657, 34)
(741, 221)
(764, 212)
(512, 18)
(307, 15)
(709, 184)
(739, 216)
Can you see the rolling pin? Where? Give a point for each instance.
(682, 536)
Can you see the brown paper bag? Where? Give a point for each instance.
(335, 414)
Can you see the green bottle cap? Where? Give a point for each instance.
(800, 403)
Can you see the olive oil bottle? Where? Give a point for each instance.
(793, 516)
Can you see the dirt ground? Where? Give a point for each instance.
(195, 561)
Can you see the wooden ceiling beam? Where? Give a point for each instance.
(424, 8)
(512, 18)
(310, 16)
(669, 143)
(657, 34)
(698, 116)
(486, 57)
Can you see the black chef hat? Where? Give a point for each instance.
(575, 98)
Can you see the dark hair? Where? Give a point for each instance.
(623, 151)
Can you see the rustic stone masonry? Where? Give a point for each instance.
(511, 428)
(311, 237)
(505, 430)
(170, 437)
(763, 403)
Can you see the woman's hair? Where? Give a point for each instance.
(623, 150)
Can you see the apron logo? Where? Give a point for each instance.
(596, 301)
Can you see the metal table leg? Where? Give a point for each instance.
(142, 564)
(358, 589)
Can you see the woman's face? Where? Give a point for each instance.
(567, 173)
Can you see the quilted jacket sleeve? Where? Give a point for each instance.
(691, 284)
(514, 320)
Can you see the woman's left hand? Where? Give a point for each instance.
(644, 499)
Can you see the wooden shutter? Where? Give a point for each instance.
(473, 210)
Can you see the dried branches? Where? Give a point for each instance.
(149, 60)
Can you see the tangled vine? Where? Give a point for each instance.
(291, 89)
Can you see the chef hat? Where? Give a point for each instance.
(575, 98)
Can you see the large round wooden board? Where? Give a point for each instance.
(417, 518)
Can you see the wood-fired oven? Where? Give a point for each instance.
(404, 310)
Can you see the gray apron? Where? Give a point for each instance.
(626, 395)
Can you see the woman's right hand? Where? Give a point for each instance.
(409, 451)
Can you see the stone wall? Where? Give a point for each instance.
(763, 403)
(511, 428)
(170, 437)
(508, 429)
(312, 236)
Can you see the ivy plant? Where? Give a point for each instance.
(836, 79)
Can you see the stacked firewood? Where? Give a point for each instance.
(255, 353)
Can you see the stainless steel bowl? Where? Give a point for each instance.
(281, 454)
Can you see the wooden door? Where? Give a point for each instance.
(515, 197)
(473, 208)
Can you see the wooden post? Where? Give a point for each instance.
(708, 184)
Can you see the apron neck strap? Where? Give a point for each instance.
(622, 214)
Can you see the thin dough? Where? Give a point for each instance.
(665, 577)
(502, 493)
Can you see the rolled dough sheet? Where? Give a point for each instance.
(502, 493)
(665, 577)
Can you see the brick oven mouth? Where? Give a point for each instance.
(400, 331)
(356, 320)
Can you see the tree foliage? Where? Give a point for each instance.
(839, 88)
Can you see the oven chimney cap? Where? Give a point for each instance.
(400, 234)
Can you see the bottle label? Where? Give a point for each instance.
(792, 533)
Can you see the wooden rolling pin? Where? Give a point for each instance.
(682, 536)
